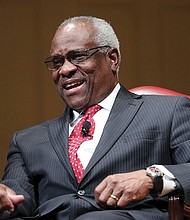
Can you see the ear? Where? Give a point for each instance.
(114, 59)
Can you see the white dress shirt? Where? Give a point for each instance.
(87, 148)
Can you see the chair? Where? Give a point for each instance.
(176, 208)
(155, 90)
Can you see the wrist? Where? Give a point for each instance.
(157, 178)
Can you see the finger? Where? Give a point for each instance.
(123, 200)
(16, 199)
(105, 194)
(8, 198)
(112, 200)
(6, 203)
(117, 191)
(98, 190)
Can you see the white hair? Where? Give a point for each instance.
(104, 33)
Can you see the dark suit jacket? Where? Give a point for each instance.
(140, 131)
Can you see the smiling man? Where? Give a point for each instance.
(87, 65)
(112, 154)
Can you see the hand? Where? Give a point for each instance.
(8, 198)
(120, 189)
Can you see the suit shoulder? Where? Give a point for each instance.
(163, 101)
(166, 97)
(39, 130)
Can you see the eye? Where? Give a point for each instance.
(76, 57)
(57, 61)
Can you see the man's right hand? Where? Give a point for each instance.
(8, 198)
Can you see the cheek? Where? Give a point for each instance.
(55, 77)
(99, 79)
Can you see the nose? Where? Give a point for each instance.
(67, 68)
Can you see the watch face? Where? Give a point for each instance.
(154, 171)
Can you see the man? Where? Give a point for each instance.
(136, 151)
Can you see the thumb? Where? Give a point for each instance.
(16, 199)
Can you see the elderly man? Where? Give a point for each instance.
(112, 154)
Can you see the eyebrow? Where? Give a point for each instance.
(75, 50)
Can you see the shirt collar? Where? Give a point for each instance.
(107, 103)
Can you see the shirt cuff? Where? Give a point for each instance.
(169, 180)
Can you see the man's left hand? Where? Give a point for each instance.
(120, 189)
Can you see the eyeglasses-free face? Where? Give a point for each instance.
(76, 57)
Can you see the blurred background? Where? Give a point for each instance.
(155, 46)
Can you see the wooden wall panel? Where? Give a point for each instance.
(19, 63)
(175, 46)
(155, 45)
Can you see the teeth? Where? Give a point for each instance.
(69, 86)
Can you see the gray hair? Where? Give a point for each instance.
(104, 33)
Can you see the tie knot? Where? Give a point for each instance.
(92, 110)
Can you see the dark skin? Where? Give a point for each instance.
(126, 187)
(90, 75)
(80, 87)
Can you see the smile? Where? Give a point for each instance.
(73, 85)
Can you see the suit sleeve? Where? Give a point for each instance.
(17, 178)
(180, 145)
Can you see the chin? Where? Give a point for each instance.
(75, 106)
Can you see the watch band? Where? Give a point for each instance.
(157, 177)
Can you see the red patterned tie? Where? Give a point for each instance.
(77, 138)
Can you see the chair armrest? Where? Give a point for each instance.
(186, 212)
(177, 209)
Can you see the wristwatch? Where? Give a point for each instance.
(157, 177)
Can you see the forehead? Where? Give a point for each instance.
(73, 36)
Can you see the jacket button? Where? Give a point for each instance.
(81, 193)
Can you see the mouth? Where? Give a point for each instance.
(72, 85)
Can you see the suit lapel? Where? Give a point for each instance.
(123, 111)
(58, 132)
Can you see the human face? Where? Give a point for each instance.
(86, 84)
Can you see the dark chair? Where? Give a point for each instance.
(176, 208)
